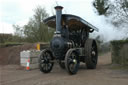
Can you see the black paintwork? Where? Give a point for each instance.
(71, 32)
(73, 22)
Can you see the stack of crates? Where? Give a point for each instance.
(32, 56)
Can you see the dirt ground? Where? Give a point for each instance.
(103, 75)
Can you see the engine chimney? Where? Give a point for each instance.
(58, 18)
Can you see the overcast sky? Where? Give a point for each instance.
(19, 12)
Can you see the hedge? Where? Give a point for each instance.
(120, 52)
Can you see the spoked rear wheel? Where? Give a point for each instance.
(91, 53)
(72, 61)
(46, 61)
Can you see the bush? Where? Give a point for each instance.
(5, 37)
(119, 52)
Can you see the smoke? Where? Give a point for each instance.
(107, 31)
(85, 9)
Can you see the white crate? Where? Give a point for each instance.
(32, 55)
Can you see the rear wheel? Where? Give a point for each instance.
(72, 61)
(91, 54)
(46, 61)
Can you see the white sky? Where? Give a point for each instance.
(19, 12)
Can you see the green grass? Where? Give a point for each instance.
(6, 44)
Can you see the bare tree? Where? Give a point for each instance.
(101, 6)
(119, 12)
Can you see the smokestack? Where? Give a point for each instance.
(58, 18)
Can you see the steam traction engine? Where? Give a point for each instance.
(70, 44)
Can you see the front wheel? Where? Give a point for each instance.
(46, 61)
(72, 61)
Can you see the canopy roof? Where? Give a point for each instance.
(73, 22)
